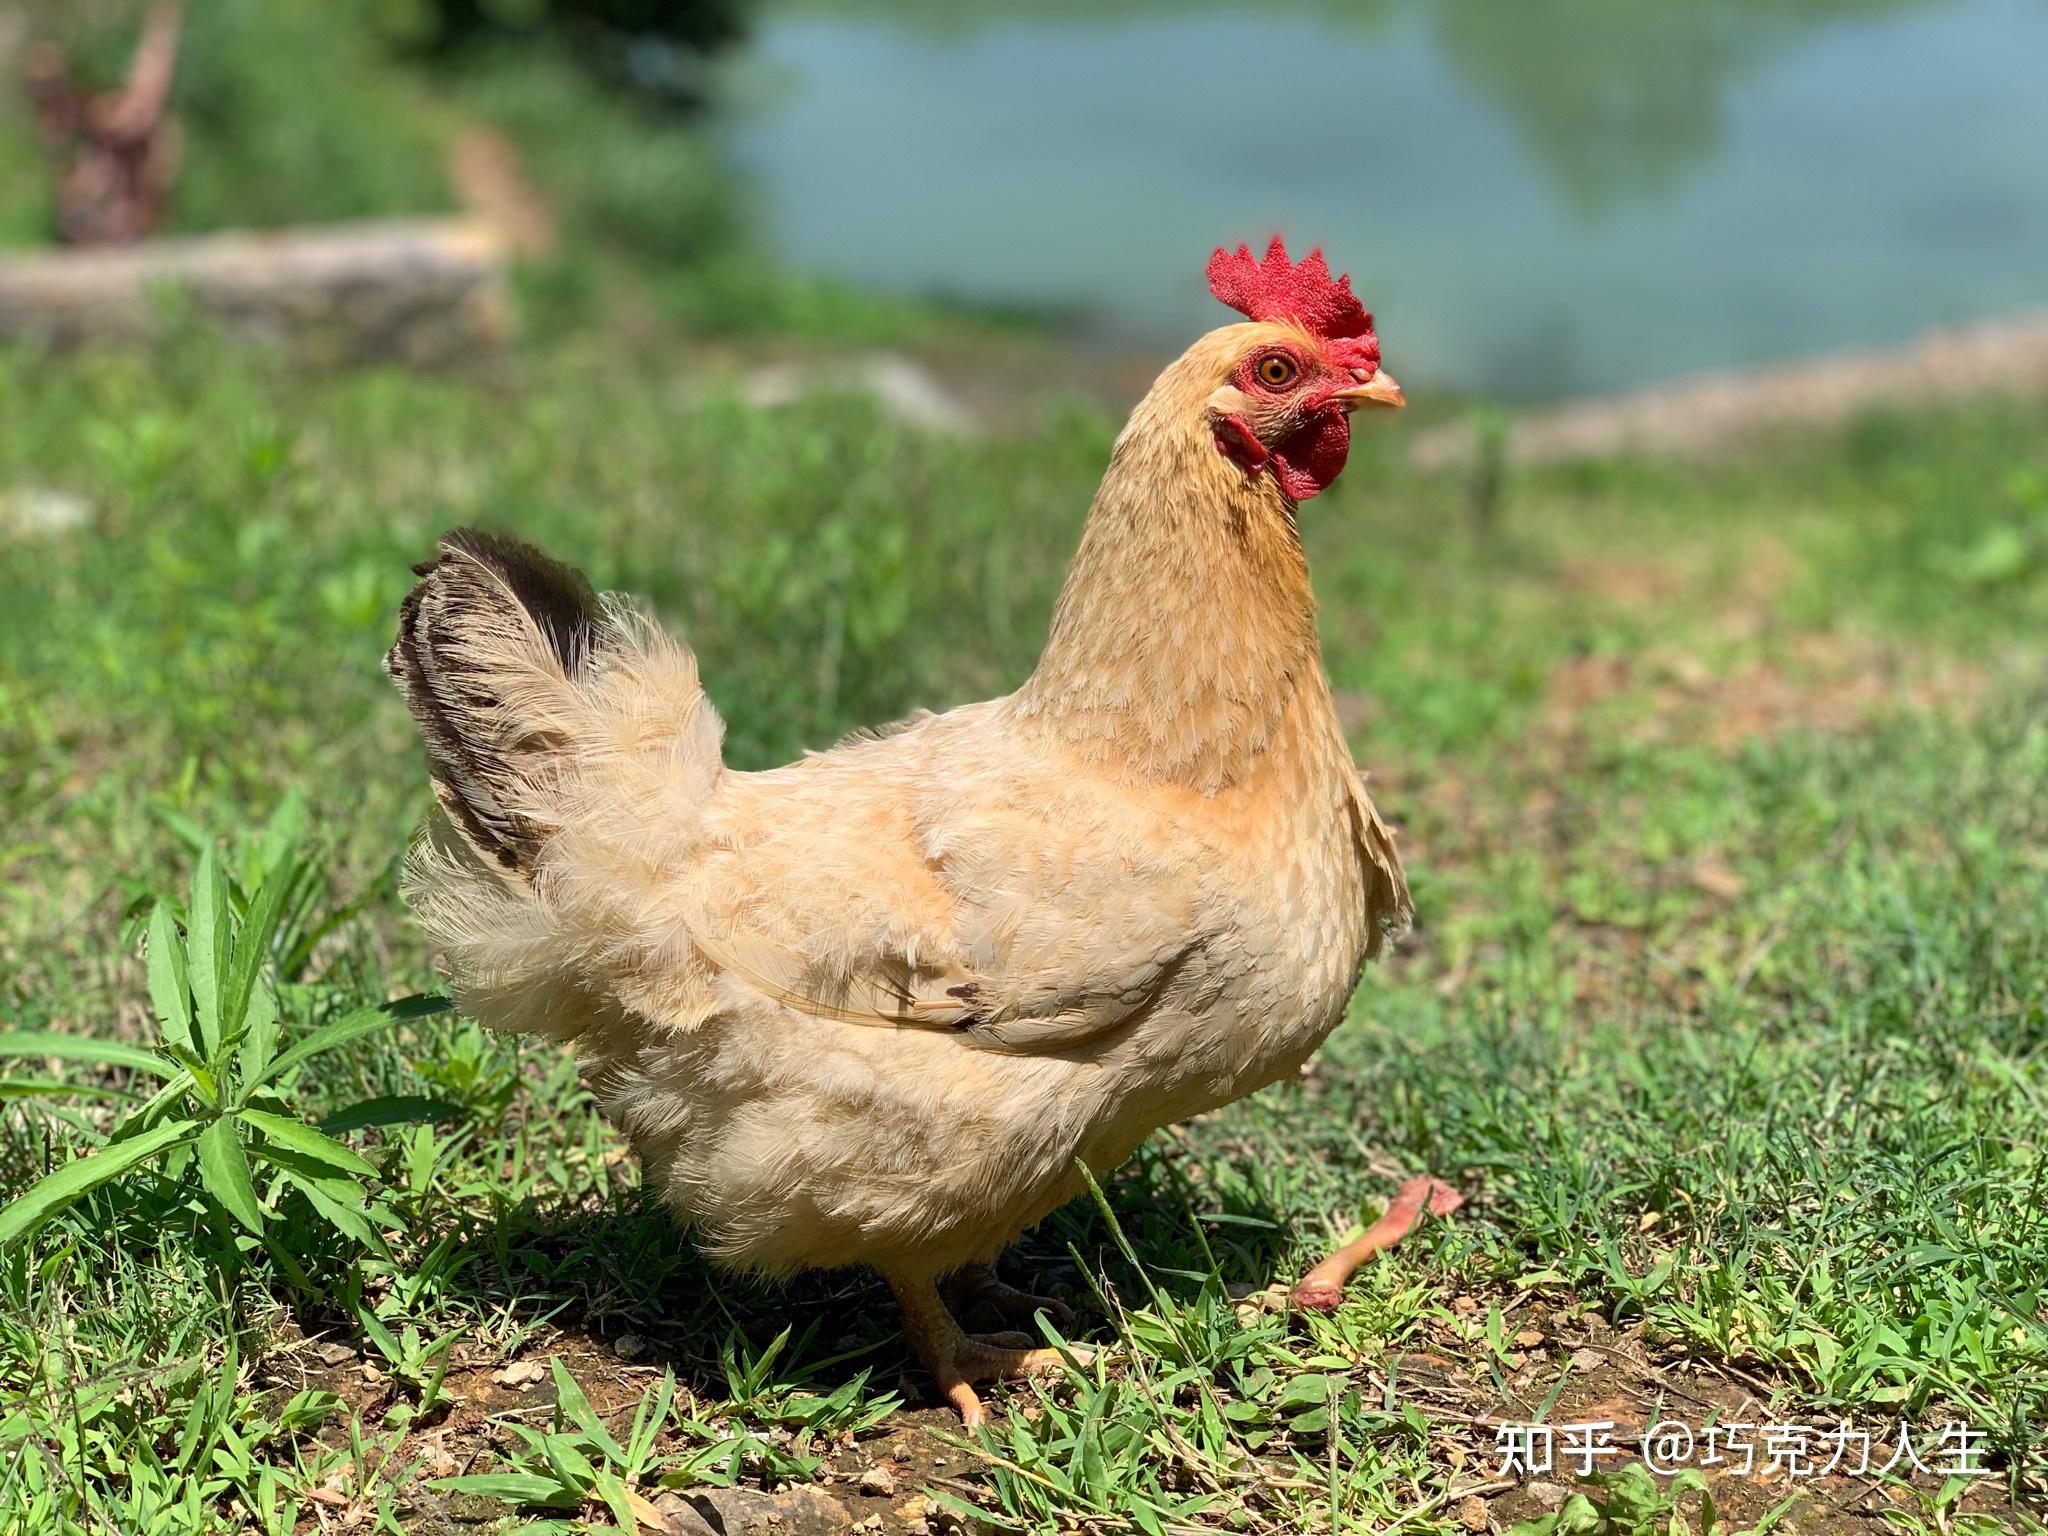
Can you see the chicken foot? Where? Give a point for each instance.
(1322, 1288)
(974, 1285)
(958, 1360)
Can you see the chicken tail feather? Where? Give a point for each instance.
(493, 625)
(572, 749)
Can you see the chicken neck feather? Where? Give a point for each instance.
(1186, 625)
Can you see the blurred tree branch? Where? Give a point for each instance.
(116, 151)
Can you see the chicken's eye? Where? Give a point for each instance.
(1277, 372)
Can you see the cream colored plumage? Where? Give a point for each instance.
(871, 1007)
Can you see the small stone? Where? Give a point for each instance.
(38, 509)
(335, 1354)
(901, 1455)
(1251, 1302)
(1471, 1513)
(1465, 1305)
(1549, 1495)
(877, 1482)
(679, 1516)
(630, 1347)
(520, 1374)
(473, 1508)
(904, 389)
(798, 1511)
(1529, 1338)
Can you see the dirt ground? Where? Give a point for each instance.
(1580, 1370)
(1569, 1366)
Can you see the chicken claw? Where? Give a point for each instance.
(1322, 1288)
(975, 1285)
(958, 1361)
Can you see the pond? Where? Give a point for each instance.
(1537, 197)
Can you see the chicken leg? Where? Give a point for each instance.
(959, 1360)
(1322, 1288)
(978, 1285)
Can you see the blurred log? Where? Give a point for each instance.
(424, 292)
(1702, 418)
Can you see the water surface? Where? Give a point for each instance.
(1536, 196)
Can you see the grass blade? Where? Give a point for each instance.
(301, 1138)
(607, 1487)
(111, 1053)
(390, 1109)
(50, 1088)
(259, 1043)
(351, 1224)
(379, 1335)
(224, 1169)
(577, 1406)
(170, 994)
(361, 1022)
(52, 1193)
(156, 1108)
(282, 832)
(513, 1487)
(252, 947)
(208, 922)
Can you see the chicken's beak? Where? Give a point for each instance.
(1380, 389)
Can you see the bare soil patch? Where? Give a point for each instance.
(1819, 682)
(1572, 1367)
(1569, 1366)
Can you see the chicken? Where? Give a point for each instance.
(879, 1006)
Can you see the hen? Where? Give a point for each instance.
(875, 1006)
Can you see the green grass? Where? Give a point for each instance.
(1721, 794)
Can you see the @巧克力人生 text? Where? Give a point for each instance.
(1744, 1449)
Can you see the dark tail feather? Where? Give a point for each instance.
(492, 628)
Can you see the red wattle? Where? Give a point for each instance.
(1313, 455)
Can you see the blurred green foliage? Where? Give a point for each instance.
(291, 111)
(650, 45)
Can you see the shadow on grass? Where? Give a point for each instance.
(627, 1272)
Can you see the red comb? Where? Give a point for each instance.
(1277, 289)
